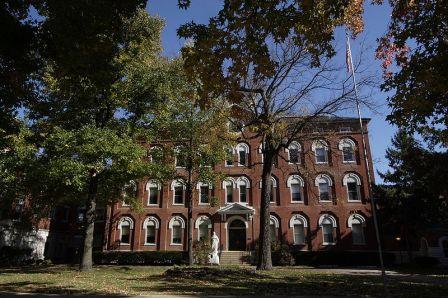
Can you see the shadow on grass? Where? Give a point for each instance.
(213, 281)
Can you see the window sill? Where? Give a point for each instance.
(326, 201)
(322, 162)
(297, 202)
(328, 244)
(176, 244)
(125, 244)
(204, 204)
(228, 166)
(152, 205)
(354, 201)
(149, 244)
(294, 163)
(348, 162)
(178, 204)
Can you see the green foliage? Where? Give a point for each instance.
(158, 258)
(202, 249)
(414, 52)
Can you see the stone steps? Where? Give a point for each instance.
(235, 258)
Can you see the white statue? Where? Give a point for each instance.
(213, 256)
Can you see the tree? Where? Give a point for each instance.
(272, 60)
(196, 152)
(91, 119)
(414, 52)
(415, 194)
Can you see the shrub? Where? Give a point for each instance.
(425, 262)
(13, 256)
(280, 254)
(201, 251)
(139, 257)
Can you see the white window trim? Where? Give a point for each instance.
(300, 181)
(356, 218)
(224, 186)
(343, 143)
(131, 228)
(233, 155)
(333, 224)
(298, 219)
(320, 144)
(175, 183)
(299, 149)
(200, 220)
(358, 186)
(182, 226)
(243, 181)
(198, 187)
(145, 228)
(149, 184)
(330, 184)
(246, 150)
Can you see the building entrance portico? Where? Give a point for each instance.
(236, 218)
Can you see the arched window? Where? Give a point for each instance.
(296, 184)
(178, 187)
(273, 197)
(356, 222)
(204, 226)
(243, 185)
(353, 184)
(153, 188)
(228, 185)
(273, 227)
(298, 223)
(347, 146)
(129, 191)
(229, 157)
(180, 157)
(324, 184)
(320, 149)
(156, 155)
(242, 150)
(177, 226)
(328, 225)
(294, 150)
(125, 226)
(150, 225)
(204, 192)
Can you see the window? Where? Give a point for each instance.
(129, 191)
(243, 184)
(229, 157)
(298, 223)
(204, 225)
(294, 153)
(295, 183)
(345, 129)
(320, 149)
(324, 183)
(81, 214)
(177, 187)
(273, 227)
(347, 146)
(150, 225)
(177, 225)
(243, 153)
(204, 195)
(356, 222)
(180, 157)
(153, 188)
(125, 226)
(229, 193)
(353, 183)
(156, 155)
(273, 196)
(328, 225)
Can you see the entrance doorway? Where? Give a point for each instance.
(237, 235)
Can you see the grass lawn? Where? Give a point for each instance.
(133, 280)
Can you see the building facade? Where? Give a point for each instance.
(319, 199)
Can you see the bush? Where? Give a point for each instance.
(13, 256)
(139, 257)
(201, 251)
(341, 258)
(280, 254)
(425, 262)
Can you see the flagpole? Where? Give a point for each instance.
(366, 160)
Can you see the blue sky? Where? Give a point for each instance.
(376, 21)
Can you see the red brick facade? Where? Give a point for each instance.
(283, 209)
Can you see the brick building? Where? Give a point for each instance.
(319, 199)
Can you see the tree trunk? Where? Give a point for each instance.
(189, 197)
(264, 247)
(86, 261)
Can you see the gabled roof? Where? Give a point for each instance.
(236, 208)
